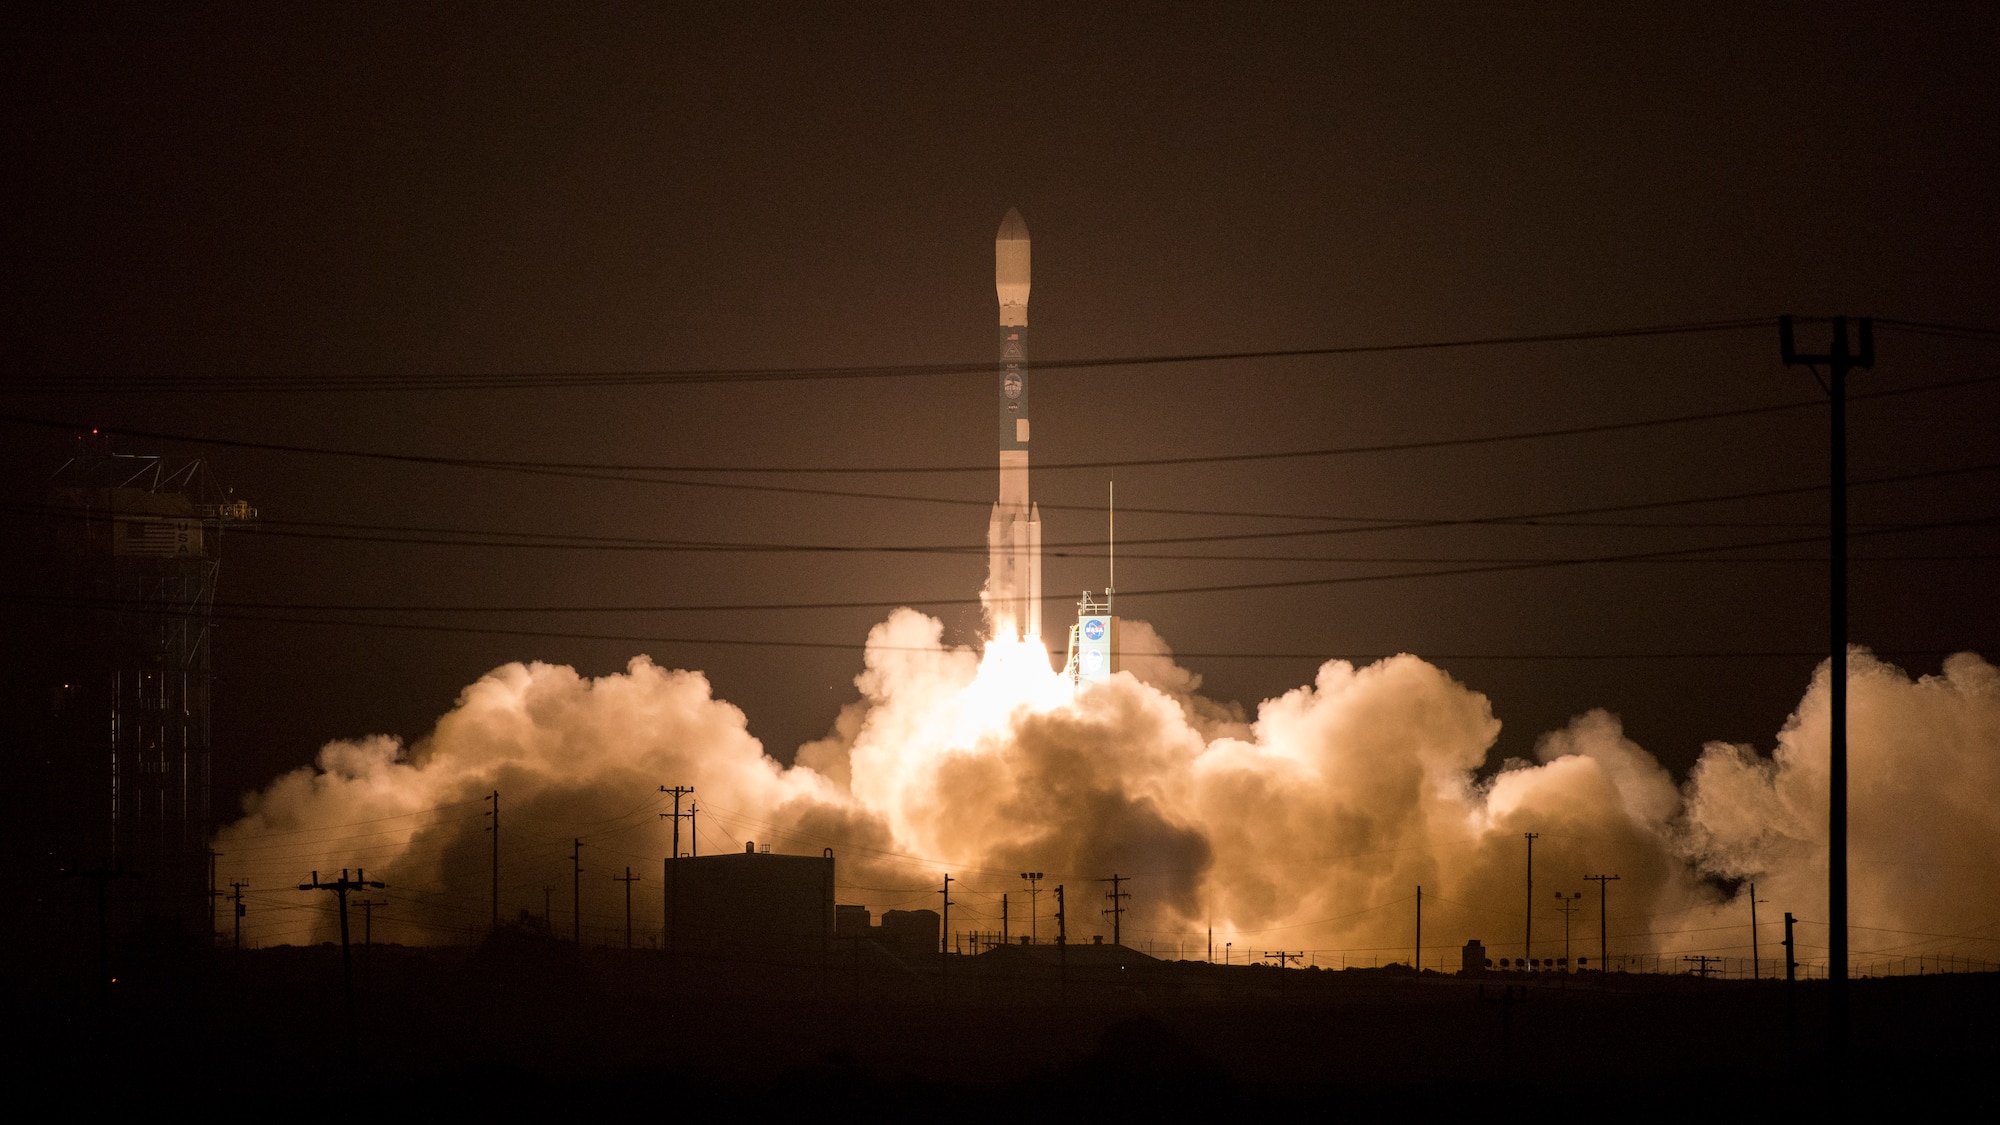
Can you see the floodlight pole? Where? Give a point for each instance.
(1034, 879)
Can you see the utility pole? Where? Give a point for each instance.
(1568, 906)
(1791, 991)
(1702, 964)
(944, 947)
(1528, 932)
(340, 891)
(1034, 879)
(1419, 963)
(1117, 910)
(677, 792)
(1839, 361)
(1605, 963)
(1283, 956)
(213, 895)
(1756, 970)
(1005, 937)
(368, 906)
(944, 939)
(628, 879)
(670, 888)
(1062, 945)
(694, 831)
(576, 894)
(494, 828)
(237, 895)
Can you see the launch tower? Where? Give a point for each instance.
(1095, 647)
(127, 741)
(1014, 537)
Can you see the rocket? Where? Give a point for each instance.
(1014, 537)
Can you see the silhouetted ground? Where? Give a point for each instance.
(524, 1021)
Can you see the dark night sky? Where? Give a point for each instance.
(332, 190)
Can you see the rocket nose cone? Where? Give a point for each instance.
(1011, 269)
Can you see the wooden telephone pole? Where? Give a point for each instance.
(340, 890)
(670, 889)
(628, 879)
(1117, 908)
(1839, 360)
(1603, 963)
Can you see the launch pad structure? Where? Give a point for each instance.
(126, 742)
(1094, 642)
(1096, 648)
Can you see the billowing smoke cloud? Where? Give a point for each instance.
(1306, 827)
(1923, 809)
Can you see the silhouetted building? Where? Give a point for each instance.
(852, 921)
(752, 905)
(1472, 959)
(914, 931)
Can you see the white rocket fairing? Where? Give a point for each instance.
(1014, 537)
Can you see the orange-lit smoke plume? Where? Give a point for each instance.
(1307, 826)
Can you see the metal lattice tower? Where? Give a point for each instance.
(138, 540)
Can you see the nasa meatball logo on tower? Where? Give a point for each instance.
(1093, 630)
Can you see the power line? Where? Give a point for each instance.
(668, 546)
(1220, 588)
(371, 820)
(1562, 517)
(855, 646)
(397, 381)
(1951, 331)
(620, 472)
(72, 382)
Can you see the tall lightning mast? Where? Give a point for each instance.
(1014, 537)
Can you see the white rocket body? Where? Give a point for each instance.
(1014, 537)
